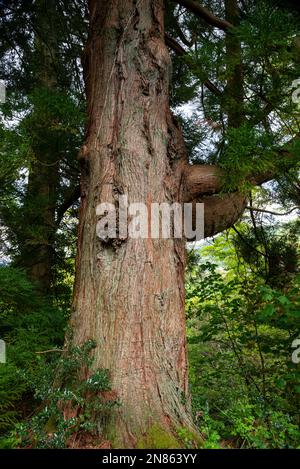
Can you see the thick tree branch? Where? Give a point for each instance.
(201, 180)
(186, 42)
(203, 183)
(71, 197)
(174, 45)
(220, 212)
(205, 14)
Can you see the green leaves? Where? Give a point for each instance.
(240, 329)
(15, 290)
(267, 312)
(71, 403)
(247, 152)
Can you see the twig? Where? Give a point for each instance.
(273, 213)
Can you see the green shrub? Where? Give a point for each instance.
(71, 404)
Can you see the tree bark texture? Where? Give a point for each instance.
(129, 293)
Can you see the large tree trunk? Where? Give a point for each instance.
(129, 295)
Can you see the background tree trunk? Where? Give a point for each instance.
(129, 295)
(36, 240)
